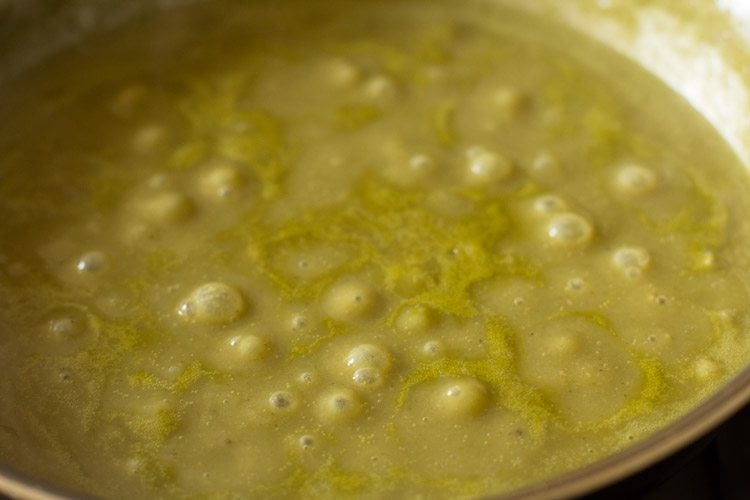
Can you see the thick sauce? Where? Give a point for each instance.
(366, 249)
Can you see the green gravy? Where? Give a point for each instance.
(355, 249)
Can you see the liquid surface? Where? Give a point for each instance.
(355, 250)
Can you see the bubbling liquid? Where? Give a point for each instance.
(368, 250)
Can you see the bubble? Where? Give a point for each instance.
(249, 347)
(91, 262)
(632, 272)
(149, 138)
(341, 73)
(518, 301)
(367, 377)
(420, 167)
(705, 260)
(215, 303)
(569, 228)
(432, 349)
(299, 322)
(351, 300)
(507, 101)
(165, 208)
(486, 167)
(306, 378)
(158, 181)
(368, 356)
(405, 169)
(463, 397)
(66, 327)
(549, 204)
(221, 181)
(134, 465)
(545, 167)
(575, 285)
(380, 87)
(339, 405)
(705, 369)
(656, 340)
(128, 100)
(281, 400)
(635, 180)
(631, 260)
(306, 442)
(414, 319)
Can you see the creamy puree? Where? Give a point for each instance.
(366, 249)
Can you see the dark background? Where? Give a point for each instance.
(717, 467)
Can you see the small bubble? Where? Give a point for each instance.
(414, 319)
(157, 181)
(307, 442)
(632, 272)
(508, 102)
(422, 163)
(213, 303)
(164, 208)
(249, 347)
(705, 260)
(380, 87)
(341, 73)
(367, 376)
(635, 179)
(339, 405)
(661, 300)
(133, 465)
(545, 166)
(432, 348)
(351, 300)
(453, 391)
(486, 167)
(575, 284)
(299, 322)
(91, 262)
(185, 310)
(549, 204)
(281, 400)
(149, 138)
(631, 260)
(64, 327)
(413, 172)
(221, 182)
(306, 378)
(127, 101)
(569, 228)
(462, 398)
(368, 356)
(705, 368)
(518, 301)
